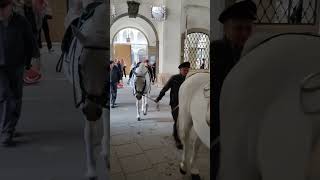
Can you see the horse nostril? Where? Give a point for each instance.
(138, 97)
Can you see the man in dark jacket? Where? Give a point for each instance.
(238, 25)
(115, 77)
(16, 50)
(174, 84)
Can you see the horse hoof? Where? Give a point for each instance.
(93, 178)
(195, 177)
(144, 113)
(182, 171)
(139, 119)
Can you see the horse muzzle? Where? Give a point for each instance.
(138, 96)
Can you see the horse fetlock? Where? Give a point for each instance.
(91, 174)
(194, 171)
(195, 177)
(183, 169)
(92, 113)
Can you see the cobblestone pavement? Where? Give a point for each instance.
(145, 150)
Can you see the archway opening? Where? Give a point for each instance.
(131, 45)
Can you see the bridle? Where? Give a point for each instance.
(144, 84)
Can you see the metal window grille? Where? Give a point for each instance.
(294, 12)
(197, 50)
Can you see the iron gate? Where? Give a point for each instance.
(197, 50)
(287, 12)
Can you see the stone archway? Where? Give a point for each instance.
(153, 32)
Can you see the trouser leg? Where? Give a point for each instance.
(175, 112)
(113, 92)
(11, 82)
(45, 27)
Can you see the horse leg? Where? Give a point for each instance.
(105, 150)
(144, 105)
(147, 105)
(89, 137)
(184, 127)
(138, 110)
(195, 144)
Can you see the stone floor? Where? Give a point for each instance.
(52, 146)
(145, 150)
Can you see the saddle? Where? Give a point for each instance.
(191, 73)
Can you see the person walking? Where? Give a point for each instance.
(124, 65)
(17, 47)
(114, 80)
(45, 26)
(174, 84)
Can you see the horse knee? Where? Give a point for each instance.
(92, 113)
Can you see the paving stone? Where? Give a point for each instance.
(149, 174)
(127, 150)
(151, 142)
(160, 155)
(135, 163)
(118, 176)
(122, 139)
(115, 165)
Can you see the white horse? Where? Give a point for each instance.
(141, 85)
(85, 65)
(270, 126)
(194, 119)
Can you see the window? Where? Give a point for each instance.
(196, 50)
(293, 12)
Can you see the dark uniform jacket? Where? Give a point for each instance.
(17, 41)
(115, 74)
(224, 58)
(174, 84)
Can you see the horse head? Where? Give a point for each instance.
(94, 52)
(140, 81)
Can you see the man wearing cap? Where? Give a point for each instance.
(16, 49)
(238, 26)
(174, 84)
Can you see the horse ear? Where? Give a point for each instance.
(77, 33)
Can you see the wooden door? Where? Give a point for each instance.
(123, 51)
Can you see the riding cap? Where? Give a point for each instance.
(4, 3)
(241, 10)
(184, 65)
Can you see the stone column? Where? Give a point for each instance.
(170, 41)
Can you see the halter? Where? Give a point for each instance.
(145, 83)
